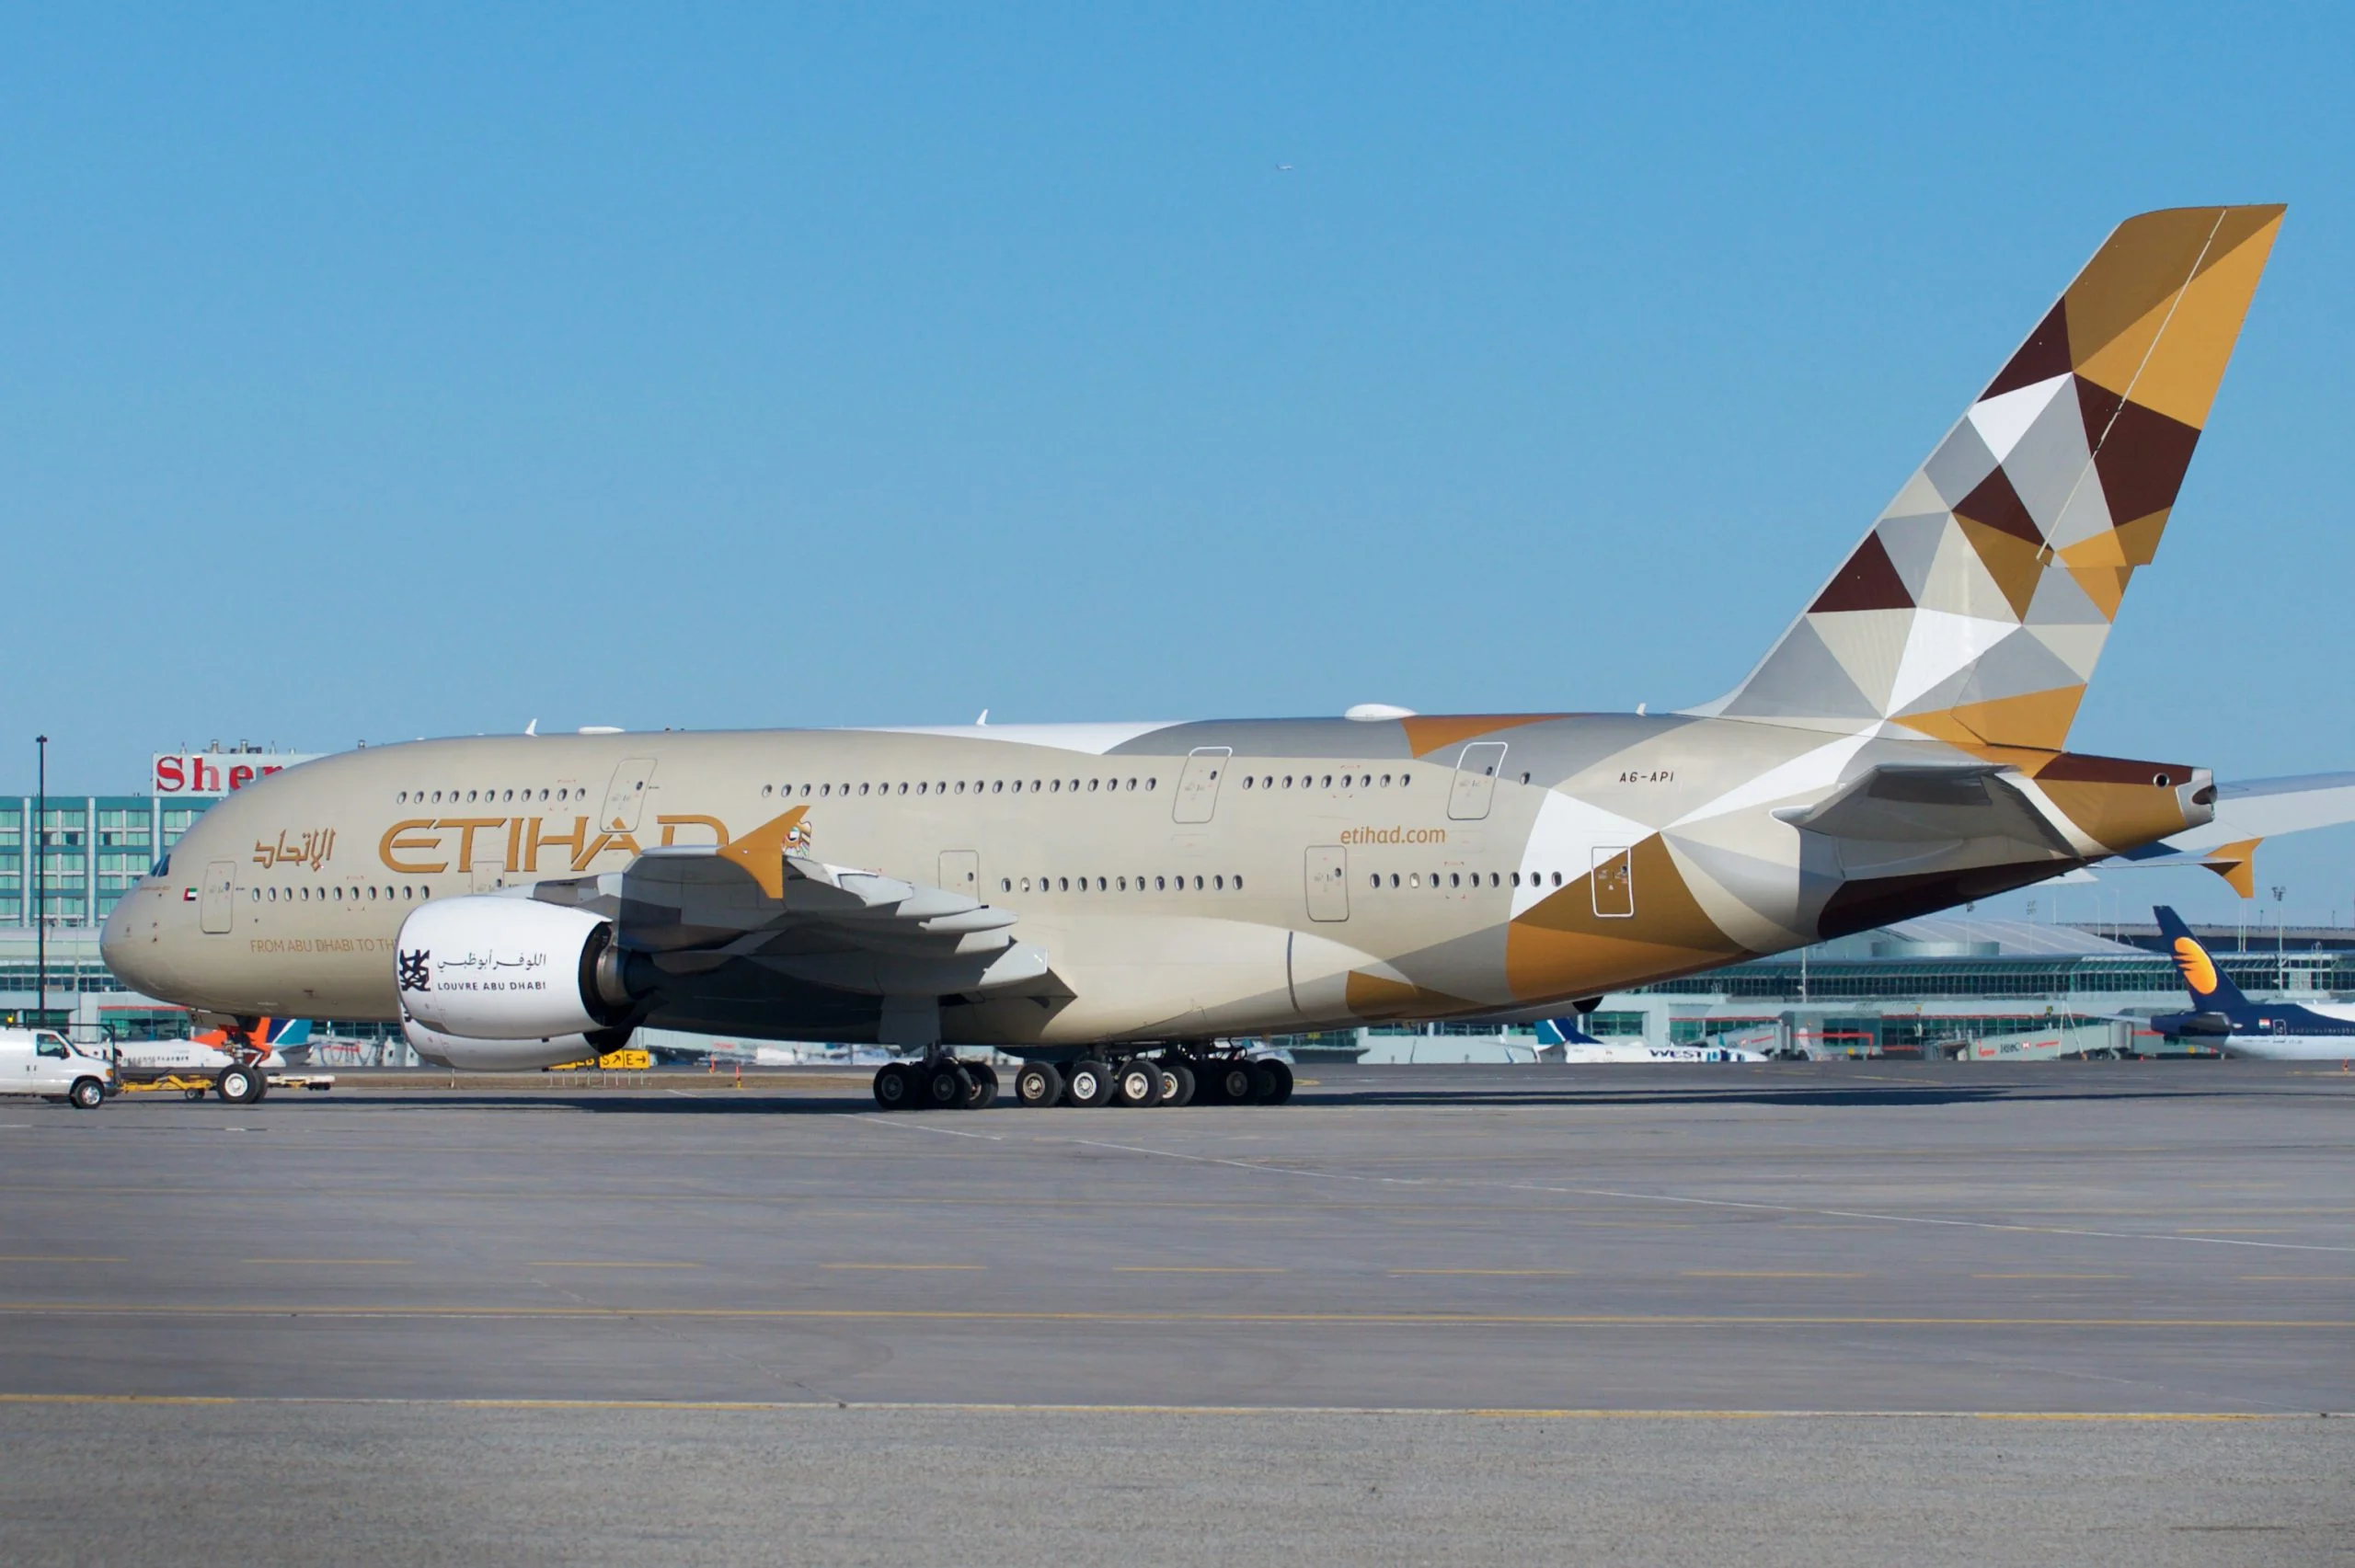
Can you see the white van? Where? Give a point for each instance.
(40, 1061)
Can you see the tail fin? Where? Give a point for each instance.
(1974, 610)
(1564, 1032)
(2211, 990)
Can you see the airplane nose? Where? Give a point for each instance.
(132, 943)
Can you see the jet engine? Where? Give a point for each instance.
(508, 1056)
(487, 968)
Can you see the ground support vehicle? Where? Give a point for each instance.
(43, 1063)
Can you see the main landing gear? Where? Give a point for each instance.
(938, 1082)
(1175, 1076)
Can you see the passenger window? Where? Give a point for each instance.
(1149, 784)
(1218, 883)
(1394, 879)
(1159, 884)
(1558, 879)
(1238, 885)
(1057, 786)
(1005, 884)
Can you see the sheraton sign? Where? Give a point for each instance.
(216, 772)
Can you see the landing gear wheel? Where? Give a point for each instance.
(895, 1089)
(1176, 1082)
(1137, 1083)
(1234, 1084)
(1281, 1071)
(945, 1088)
(1037, 1084)
(236, 1086)
(984, 1078)
(87, 1095)
(1263, 1083)
(192, 1094)
(1090, 1083)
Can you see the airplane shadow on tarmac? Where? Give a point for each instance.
(766, 1102)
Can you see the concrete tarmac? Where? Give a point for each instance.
(1823, 1312)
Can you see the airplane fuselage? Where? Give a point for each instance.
(1183, 880)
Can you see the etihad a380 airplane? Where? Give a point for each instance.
(1107, 900)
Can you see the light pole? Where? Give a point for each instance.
(41, 880)
(2280, 947)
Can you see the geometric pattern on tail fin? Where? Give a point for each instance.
(1976, 608)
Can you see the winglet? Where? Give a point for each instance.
(762, 851)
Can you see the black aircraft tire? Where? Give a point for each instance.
(1176, 1082)
(945, 1088)
(1089, 1082)
(1263, 1084)
(1234, 1083)
(235, 1085)
(1281, 1071)
(1037, 1084)
(984, 1080)
(1137, 1083)
(895, 1089)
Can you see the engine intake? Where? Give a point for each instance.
(489, 968)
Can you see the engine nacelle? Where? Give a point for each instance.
(508, 1056)
(489, 968)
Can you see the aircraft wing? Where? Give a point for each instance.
(692, 911)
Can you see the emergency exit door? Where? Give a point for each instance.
(220, 909)
(1476, 780)
(1197, 786)
(627, 795)
(1327, 874)
(961, 873)
(1613, 883)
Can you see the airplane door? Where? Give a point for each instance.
(627, 795)
(1197, 786)
(961, 873)
(1613, 883)
(220, 907)
(1328, 872)
(1476, 780)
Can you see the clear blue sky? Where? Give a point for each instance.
(374, 374)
